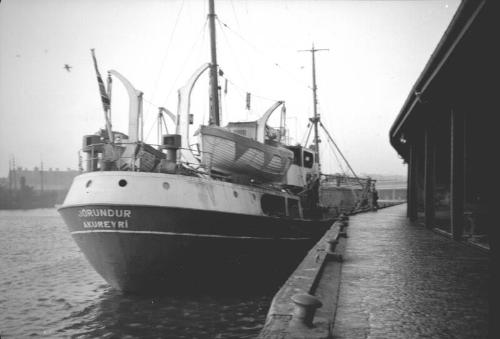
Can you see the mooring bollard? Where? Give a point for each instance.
(342, 233)
(305, 307)
(332, 244)
(343, 225)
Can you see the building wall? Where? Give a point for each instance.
(446, 132)
(446, 128)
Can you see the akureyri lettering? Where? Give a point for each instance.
(106, 224)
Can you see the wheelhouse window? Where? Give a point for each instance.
(297, 155)
(308, 159)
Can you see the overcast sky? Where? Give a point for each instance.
(377, 50)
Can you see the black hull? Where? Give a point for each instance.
(168, 250)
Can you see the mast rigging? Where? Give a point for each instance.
(214, 81)
(315, 119)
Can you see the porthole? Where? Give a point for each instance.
(166, 185)
(235, 194)
(122, 183)
(87, 185)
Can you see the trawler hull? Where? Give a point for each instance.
(143, 248)
(167, 233)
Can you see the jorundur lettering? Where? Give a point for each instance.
(104, 212)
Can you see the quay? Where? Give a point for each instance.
(427, 268)
(394, 279)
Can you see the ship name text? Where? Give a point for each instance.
(105, 224)
(104, 212)
(123, 214)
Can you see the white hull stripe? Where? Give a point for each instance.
(184, 234)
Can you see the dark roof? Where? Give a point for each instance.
(463, 21)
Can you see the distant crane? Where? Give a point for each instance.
(67, 67)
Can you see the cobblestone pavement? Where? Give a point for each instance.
(400, 280)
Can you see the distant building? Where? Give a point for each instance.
(51, 179)
(390, 187)
(35, 188)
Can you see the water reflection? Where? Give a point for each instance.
(48, 289)
(117, 315)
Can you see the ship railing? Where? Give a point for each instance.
(141, 157)
(204, 167)
(362, 188)
(344, 180)
(123, 156)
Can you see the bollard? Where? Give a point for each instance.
(342, 233)
(332, 243)
(305, 307)
(335, 257)
(331, 255)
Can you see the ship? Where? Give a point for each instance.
(237, 208)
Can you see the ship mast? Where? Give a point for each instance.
(214, 81)
(41, 176)
(315, 119)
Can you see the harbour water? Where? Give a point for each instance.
(47, 289)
